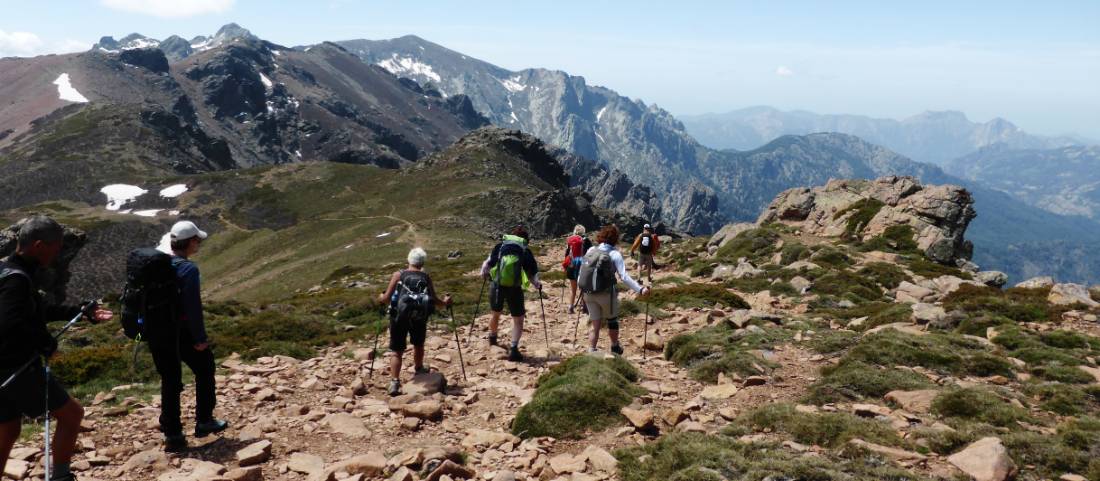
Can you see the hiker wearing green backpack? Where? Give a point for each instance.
(597, 282)
(510, 268)
(412, 300)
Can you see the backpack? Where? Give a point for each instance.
(414, 301)
(597, 272)
(509, 269)
(574, 254)
(152, 292)
(647, 244)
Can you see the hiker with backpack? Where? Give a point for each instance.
(412, 299)
(575, 247)
(167, 292)
(646, 244)
(597, 282)
(510, 268)
(25, 341)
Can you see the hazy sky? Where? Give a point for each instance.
(1034, 63)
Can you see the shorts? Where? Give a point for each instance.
(498, 295)
(573, 271)
(417, 332)
(24, 396)
(646, 260)
(603, 306)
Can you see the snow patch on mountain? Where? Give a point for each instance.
(119, 195)
(599, 115)
(173, 191)
(513, 85)
(409, 66)
(267, 82)
(66, 91)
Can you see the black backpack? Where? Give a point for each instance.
(597, 272)
(151, 296)
(647, 244)
(414, 301)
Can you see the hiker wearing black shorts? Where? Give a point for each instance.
(24, 336)
(575, 247)
(412, 298)
(186, 342)
(646, 244)
(510, 266)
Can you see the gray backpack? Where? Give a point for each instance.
(597, 272)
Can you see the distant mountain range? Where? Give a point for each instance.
(935, 137)
(120, 113)
(175, 47)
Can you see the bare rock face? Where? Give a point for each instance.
(938, 214)
(53, 281)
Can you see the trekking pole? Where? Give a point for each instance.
(645, 334)
(477, 308)
(458, 343)
(545, 330)
(374, 352)
(580, 315)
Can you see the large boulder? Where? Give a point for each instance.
(937, 214)
(992, 278)
(1069, 294)
(1036, 283)
(728, 232)
(985, 460)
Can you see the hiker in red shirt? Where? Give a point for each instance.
(575, 247)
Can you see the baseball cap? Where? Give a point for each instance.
(186, 229)
(646, 226)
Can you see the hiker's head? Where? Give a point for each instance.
(578, 230)
(609, 235)
(186, 238)
(647, 228)
(519, 231)
(40, 238)
(417, 257)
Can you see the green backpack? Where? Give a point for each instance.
(509, 269)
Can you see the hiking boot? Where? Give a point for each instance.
(514, 355)
(572, 309)
(492, 339)
(175, 443)
(206, 428)
(395, 388)
(617, 349)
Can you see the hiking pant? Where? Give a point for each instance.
(168, 352)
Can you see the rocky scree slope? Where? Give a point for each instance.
(877, 367)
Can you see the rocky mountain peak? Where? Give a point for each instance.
(935, 215)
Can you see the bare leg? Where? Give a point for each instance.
(494, 322)
(572, 293)
(68, 426)
(395, 365)
(418, 357)
(594, 334)
(9, 433)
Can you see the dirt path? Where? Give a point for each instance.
(293, 403)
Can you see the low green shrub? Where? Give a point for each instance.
(896, 238)
(719, 349)
(862, 211)
(977, 405)
(695, 295)
(579, 395)
(826, 429)
(855, 380)
(884, 274)
(754, 244)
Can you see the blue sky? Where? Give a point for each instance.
(1034, 63)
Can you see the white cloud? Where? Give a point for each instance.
(27, 44)
(784, 71)
(170, 8)
(19, 44)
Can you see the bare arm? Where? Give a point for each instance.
(385, 297)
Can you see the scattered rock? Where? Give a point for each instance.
(567, 464)
(870, 410)
(504, 475)
(476, 438)
(1037, 282)
(251, 473)
(888, 452)
(728, 232)
(369, 465)
(346, 424)
(306, 463)
(601, 460)
(924, 313)
(427, 384)
(912, 293)
(985, 460)
(718, 392)
(1067, 294)
(452, 470)
(1094, 371)
(992, 278)
(641, 419)
(255, 453)
(919, 401)
(17, 469)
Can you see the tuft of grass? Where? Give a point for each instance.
(922, 266)
(830, 341)
(848, 285)
(794, 251)
(1017, 304)
(855, 380)
(1072, 450)
(896, 238)
(754, 244)
(939, 352)
(720, 349)
(695, 295)
(884, 274)
(828, 256)
(579, 395)
(862, 211)
(829, 430)
(975, 404)
(1067, 400)
(758, 284)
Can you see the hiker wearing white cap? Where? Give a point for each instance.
(190, 345)
(646, 244)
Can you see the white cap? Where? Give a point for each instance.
(186, 229)
(645, 226)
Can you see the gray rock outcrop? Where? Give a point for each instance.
(937, 214)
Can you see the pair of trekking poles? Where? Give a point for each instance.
(477, 310)
(84, 310)
(454, 327)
